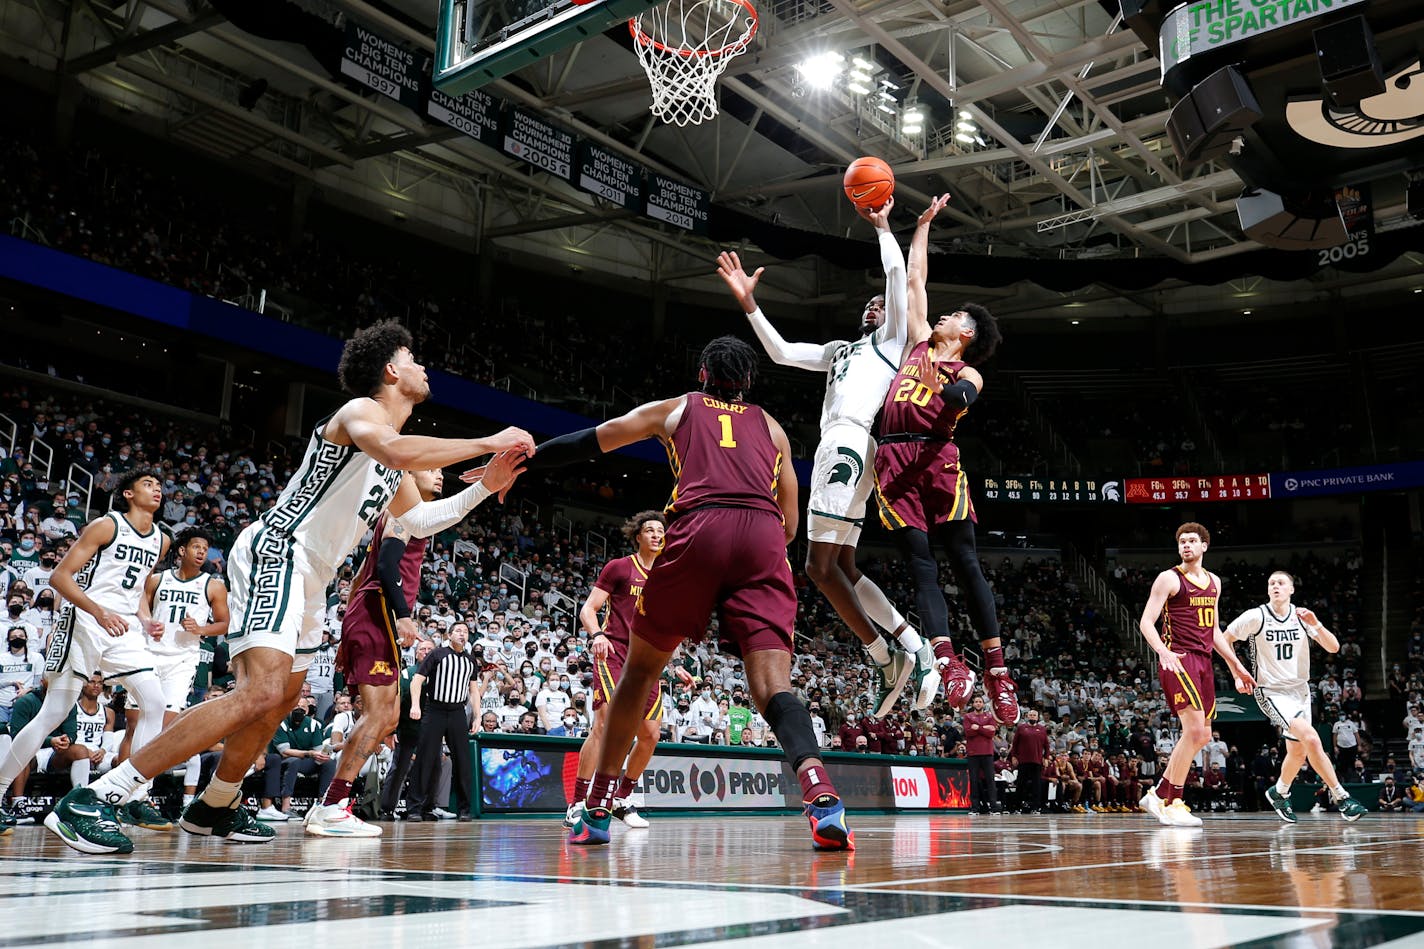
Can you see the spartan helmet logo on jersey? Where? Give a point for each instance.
(849, 469)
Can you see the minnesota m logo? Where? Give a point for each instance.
(849, 469)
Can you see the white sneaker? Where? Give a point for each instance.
(442, 814)
(1181, 815)
(1317, 809)
(272, 814)
(626, 811)
(336, 820)
(926, 678)
(1155, 806)
(574, 812)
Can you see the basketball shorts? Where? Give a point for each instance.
(368, 653)
(1283, 706)
(920, 485)
(1192, 688)
(731, 560)
(607, 672)
(81, 647)
(841, 480)
(176, 675)
(277, 600)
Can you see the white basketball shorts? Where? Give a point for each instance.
(1283, 706)
(841, 480)
(275, 598)
(81, 647)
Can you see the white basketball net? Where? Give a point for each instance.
(684, 45)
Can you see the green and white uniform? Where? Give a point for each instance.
(1278, 651)
(176, 654)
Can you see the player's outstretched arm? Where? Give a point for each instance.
(98, 534)
(917, 276)
(787, 488)
(1164, 586)
(649, 420)
(892, 261)
(812, 356)
(363, 423)
(412, 517)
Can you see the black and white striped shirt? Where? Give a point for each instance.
(448, 675)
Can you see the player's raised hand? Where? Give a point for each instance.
(502, 471)
(511, 439)
(1307, 616)
(1170, 661)
(929, 373)
(880, 217)
(937, 204)
(742, 285)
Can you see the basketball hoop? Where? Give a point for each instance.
(684, 45)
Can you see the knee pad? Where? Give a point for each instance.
(791, 724)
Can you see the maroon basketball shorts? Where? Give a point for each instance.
(728, 559)
(920, 485)
(607, 672)
(368, 654)
(1194, 687)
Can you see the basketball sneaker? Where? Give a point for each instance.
(7, 821)
(142, 813)
(571, 815)
(336, 820)
(828, 826)
(87, 824)
(1281, 803)
(1003, 696)
(959, 682)
(626, 811)
(591, 828)
(1181, 815)
(235, 824)
(893, 677)
(271, 814)
(1350, 809)
(925, 679)
(1155, 806)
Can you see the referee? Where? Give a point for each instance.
(452, 674)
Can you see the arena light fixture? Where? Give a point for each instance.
(965, 114)
(862, 64)
(858, 88)
(966, 127)
(822, 70)
(964, 137)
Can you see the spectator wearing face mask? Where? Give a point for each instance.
(57, 527)
(568, 726)
(704, 713)
(551, 702)
(21, 669)
(40, 618)
(26, 553)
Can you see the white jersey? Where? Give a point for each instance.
(174, 600)
(115, 575)
(1279, 649)
(90, 732)
(313, 514)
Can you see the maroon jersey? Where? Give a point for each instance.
(722, 455)
(367, 580)
(622, 580)
(979, 741)
(1030, 743)
(1189, 617)
(911, 408)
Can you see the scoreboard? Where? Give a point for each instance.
(1238, 487)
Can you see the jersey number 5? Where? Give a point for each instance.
(727, 440)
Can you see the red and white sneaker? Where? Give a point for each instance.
(958, 679)
(336, 820)
(1003, 696)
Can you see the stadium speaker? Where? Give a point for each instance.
(1204, 122)
(1143, 17)
(1307, 221)
(1349, 62)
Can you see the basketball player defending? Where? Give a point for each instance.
(101, 629)
(1278, 636)
(732, 513)
(279, 570)
(1185, 597)
(920, 487)
(619, 585)
(857, 377)
(191, 605)
(377, 626)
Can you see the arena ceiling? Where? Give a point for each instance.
(1068, 159)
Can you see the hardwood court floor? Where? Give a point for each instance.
(1060, 882)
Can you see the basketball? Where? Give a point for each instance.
(869, 182)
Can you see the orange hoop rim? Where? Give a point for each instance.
(643, 39)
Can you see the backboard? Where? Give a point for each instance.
(478, 41)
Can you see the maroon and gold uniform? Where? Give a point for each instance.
(622, 580)
(368, 654)
(918, 481)
(725, 547)
(1188, 627)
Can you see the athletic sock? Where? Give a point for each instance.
(944, 651)
(1282, 788)
(580, 790)
(994, 658)
(337, 791)
(1338, 793)
(909, 639)
(116, 786)
(624, 789)
(879, 652)
(1168, 791)
(600, 791)
(816, 787)
(222, 794)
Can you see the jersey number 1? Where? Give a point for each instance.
(727, 440)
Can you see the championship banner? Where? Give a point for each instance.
(678, 204)
(610, 176)
(532, 140)
(1050, 490)
(474, 113)
(1205, 26)
(1357, 211)
(1246, 487)
(1395, 477)
(383, 65)
(534, 774)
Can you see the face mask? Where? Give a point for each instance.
(105, 440)
(568, 722)
(123, 456)
(297, 717)
(564, 686)
(190, 519)
(27, 544)
(88, 455)
(17, 643)
(15, 610)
